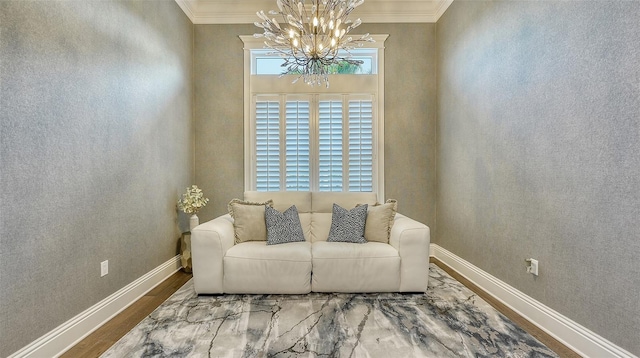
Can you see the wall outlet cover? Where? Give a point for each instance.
(533, 267)
(104, 268)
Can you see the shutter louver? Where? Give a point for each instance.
(360, 146)
(330, 146)
(297, 146)
(267, 146)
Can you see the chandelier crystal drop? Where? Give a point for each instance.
(311, 36)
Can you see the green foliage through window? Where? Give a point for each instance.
(342, 68)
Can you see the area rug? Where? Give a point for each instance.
(448, 321)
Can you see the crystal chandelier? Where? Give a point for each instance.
(312, 36)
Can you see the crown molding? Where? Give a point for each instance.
(374, 11)
(442, 7)
(185, 5)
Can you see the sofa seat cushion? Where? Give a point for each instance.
(255, 267)
(322, 202)
(348, 267)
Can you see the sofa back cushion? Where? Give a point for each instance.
(314, 208)
(322, 207)
(320, 226)
(282, 200)
(322, 202)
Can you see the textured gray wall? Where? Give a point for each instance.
(96, 144)
(219, 108)
(410, 111)
(538, 142)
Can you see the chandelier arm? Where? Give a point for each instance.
(283, 52)
(302, 10)
(290, 10)
(288, 5)
(327, 9)
(284, 19)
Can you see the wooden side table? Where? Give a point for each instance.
(185, 251)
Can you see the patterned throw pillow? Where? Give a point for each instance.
(283, 227)
(248, 220)
(348, 225)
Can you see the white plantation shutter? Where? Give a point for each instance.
(315, 142)
(297, 165)
(330, 145)
(267, 145)
(360, 145)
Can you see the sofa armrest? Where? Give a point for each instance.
(411, 238)
(209, 243)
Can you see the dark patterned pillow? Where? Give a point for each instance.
(348, 225)
(283, 227)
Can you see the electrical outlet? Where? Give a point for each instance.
(533, 266)
(104, 268)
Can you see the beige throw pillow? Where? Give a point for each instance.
(248, 220)
(379, 221)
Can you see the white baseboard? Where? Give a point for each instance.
(578, 338)
(65, 336)
(573, 335)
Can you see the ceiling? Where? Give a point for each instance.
(372, 11)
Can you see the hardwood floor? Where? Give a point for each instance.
(546, 339)
(104, 337)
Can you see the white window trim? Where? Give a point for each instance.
(277, 82)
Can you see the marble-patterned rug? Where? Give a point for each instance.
(448, 321)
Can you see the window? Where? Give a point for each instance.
(263, 63)
(302, 138)
(325, 134)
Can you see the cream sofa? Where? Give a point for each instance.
(220, 266)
